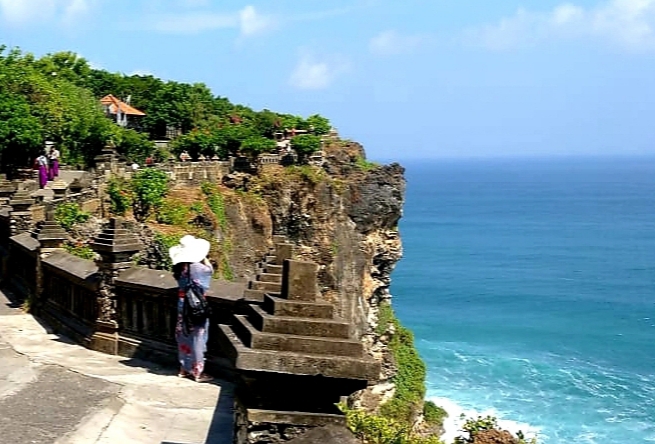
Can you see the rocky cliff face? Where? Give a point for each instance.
(342, 216)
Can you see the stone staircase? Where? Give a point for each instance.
(296, 357)
(269, 275)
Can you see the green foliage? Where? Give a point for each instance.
(473, 426)
(120, 196)
(374, 429)
(433, 414)
(69, 214)
(386, 317)
(364, 164)
(307, 172)
(256, 145)
(20, 132)
(80, 250)
(173, 213)
(216, 203)
(410, 379)
(134, 145)
(305, 145)
(205, 142)
(319, 124)
(149, 187)
(55, 97)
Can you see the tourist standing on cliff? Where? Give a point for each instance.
(190, 264)
(53, 157)
(42, 165)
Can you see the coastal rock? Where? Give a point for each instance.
(377, 202)
(494, 437)
(326, 435)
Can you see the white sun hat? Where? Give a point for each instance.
(190, 249)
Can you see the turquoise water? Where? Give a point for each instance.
(530, 286)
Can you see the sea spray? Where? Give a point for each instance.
(457, 415)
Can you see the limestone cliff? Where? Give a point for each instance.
(343, 216)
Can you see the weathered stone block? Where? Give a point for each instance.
(299, 281)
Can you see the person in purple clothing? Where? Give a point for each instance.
(190, 263)
(53, 157)
(42, 164)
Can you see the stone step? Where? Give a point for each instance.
(245, 358)
(270, 258)
(275, 287)
(270, 277)
(279, 239)
(255, 339)
(283, 307)
(250, 295)
(326, 328)
(273, 269)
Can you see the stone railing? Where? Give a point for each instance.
(22, 264)
(195, 173)
(68, 299)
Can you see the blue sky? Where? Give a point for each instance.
(410, 79)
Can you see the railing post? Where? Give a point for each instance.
(51, 237)
(116, 246)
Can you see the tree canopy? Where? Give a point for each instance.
(56, 97)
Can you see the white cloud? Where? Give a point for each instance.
(194, 22)
(20, 13)
(393, 43)
(248, 21)
(627, 23)
(251, 22)
(311, 73)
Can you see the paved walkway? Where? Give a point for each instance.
(54, 391)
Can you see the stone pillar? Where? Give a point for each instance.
(21, 213)
(299, 281)
(283, 251)
(7, 189)
(51, 237)
(59, 188)
(116, 246)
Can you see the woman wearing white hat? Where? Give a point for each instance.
(190, 265)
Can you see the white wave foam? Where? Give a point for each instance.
(457, 415)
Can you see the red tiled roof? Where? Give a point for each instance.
(115, 104)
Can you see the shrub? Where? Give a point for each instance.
(407, 401)
(173, 213)
(256, 145)
(80, 250)
(134, 145)
(305, 145)
(364, 164)
(434, 414)
(120, 196)
(375, 429)
(69, 214)
(149, 187)
(216, 203)
(385, 317)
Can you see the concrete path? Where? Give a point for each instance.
(54, 391)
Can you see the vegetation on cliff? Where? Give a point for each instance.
(56, 97)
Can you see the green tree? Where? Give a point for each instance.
(20, 132)
(319, 124)
(266, 123)
(149, 188)
(305, 145)
(256, 145)
(134, 145)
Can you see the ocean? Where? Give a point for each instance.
(530, 287)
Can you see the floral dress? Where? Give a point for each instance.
(192, 340)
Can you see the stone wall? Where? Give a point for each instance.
(195, 173)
